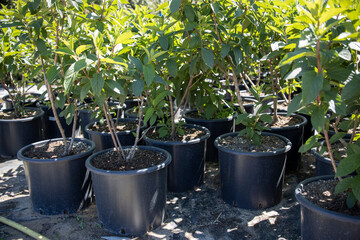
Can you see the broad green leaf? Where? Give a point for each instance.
(266, 118)
(158, 54)
(225, 49)
(208, 57)
(318, 119)
(345, 54)
(115, 86)
(148, 114)
(164, 42)
(352, 87)
(138, 87)
(149, 73)
(355, 46)
(160, 97)
(348, 165)
(190, 26)
(343, 185)
(294, 73)
(275, 29)
(172, 67)
(311, 86)
(52, 73)
(159, 79)
(295, 104)
(97, 83)
(175, 5)
(238, 54)
(326, 15)
(355, 186)
(242, 117)
(195, 42)
(336, 137)
(41, 46)
(84, 91)
(124, 38)
(193, 64)
(112, 61)
(189, 13)
(309, 144)
(82, 48)
(65, 51)
(137, 62)
(71, 73)
(299, 55)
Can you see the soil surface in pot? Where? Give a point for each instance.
(188, 135)
(121, 126)
(197, 115)
(10, 115)
(321, 193)
(285, 121)
(282, 106)
(338, 150)
(242, 144)
(54, 149)
(143, 158)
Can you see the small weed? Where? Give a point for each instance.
(80, 221)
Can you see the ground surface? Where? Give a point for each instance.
(197, 214)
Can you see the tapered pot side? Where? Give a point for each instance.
(321, 224)
(186, 169)
(130, 202)
(216, 128)
(252, 180)
(17, 133)
(103, 140)
(59, 185)
(295, 134)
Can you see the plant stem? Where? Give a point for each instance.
(111, 132)
(74, 127)
(355, 126)
(133, 148)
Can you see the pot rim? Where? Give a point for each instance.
(194, 141)
(87, 130)
(303, 123)
(20, 155)
(306, 203)
(276, 152)
(230, 118)
(154, 168)
(40, 113)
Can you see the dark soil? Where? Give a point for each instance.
(196, 115)
(55, 149)
(122, 126)
(285, 121)
(321, 193)
(338, 150)
(142, 159)
(189, 134)
(242, 144)
(10, 115)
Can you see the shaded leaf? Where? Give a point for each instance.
(172, 67)
(348, 165)
(149, 73)
(208, 57)
(97, 83)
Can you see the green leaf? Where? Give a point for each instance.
(242, 117)
(189, 13)
(343, 185)
(163, 132)
(309, 144)
(149, 73)
(208, 57)
(112, 61)
(351, 200)
(97, 83)
(172, 67)
(225, 49)
(148, 114)
(71, 73)
(355, 46)
(124, 38)
(345, 54)
(84, 91)
(160, 97)
(82, 48)
(289, 59)
(64, 51)
(137, 62)
(355, 186)
(164, 42)
(158, 54)
(318, 119)
(329, 13)
(352, 87)
(348, 165)
(336, 137)
(294, 73)
(190, 26)
(175, 5)
(138, 87)
(159, 79)
(238, 54)
(195, 42)
(193, 64)
(311, 86)
(115, 86)
(52, 73)
(41, 46)
(266, 118)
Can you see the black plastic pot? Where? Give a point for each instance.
(103, 140)
(321, 224)
(130, 202)
(216, 128)
(295, 134)
(59, 185)
(252, 180)
(129, 113)
(29, 102)
(188, 161)
(50, 128)
(17, 133)
(323, 164)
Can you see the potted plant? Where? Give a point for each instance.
(129, 181)
(20, 122)
(48, 163)
(329, 49)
